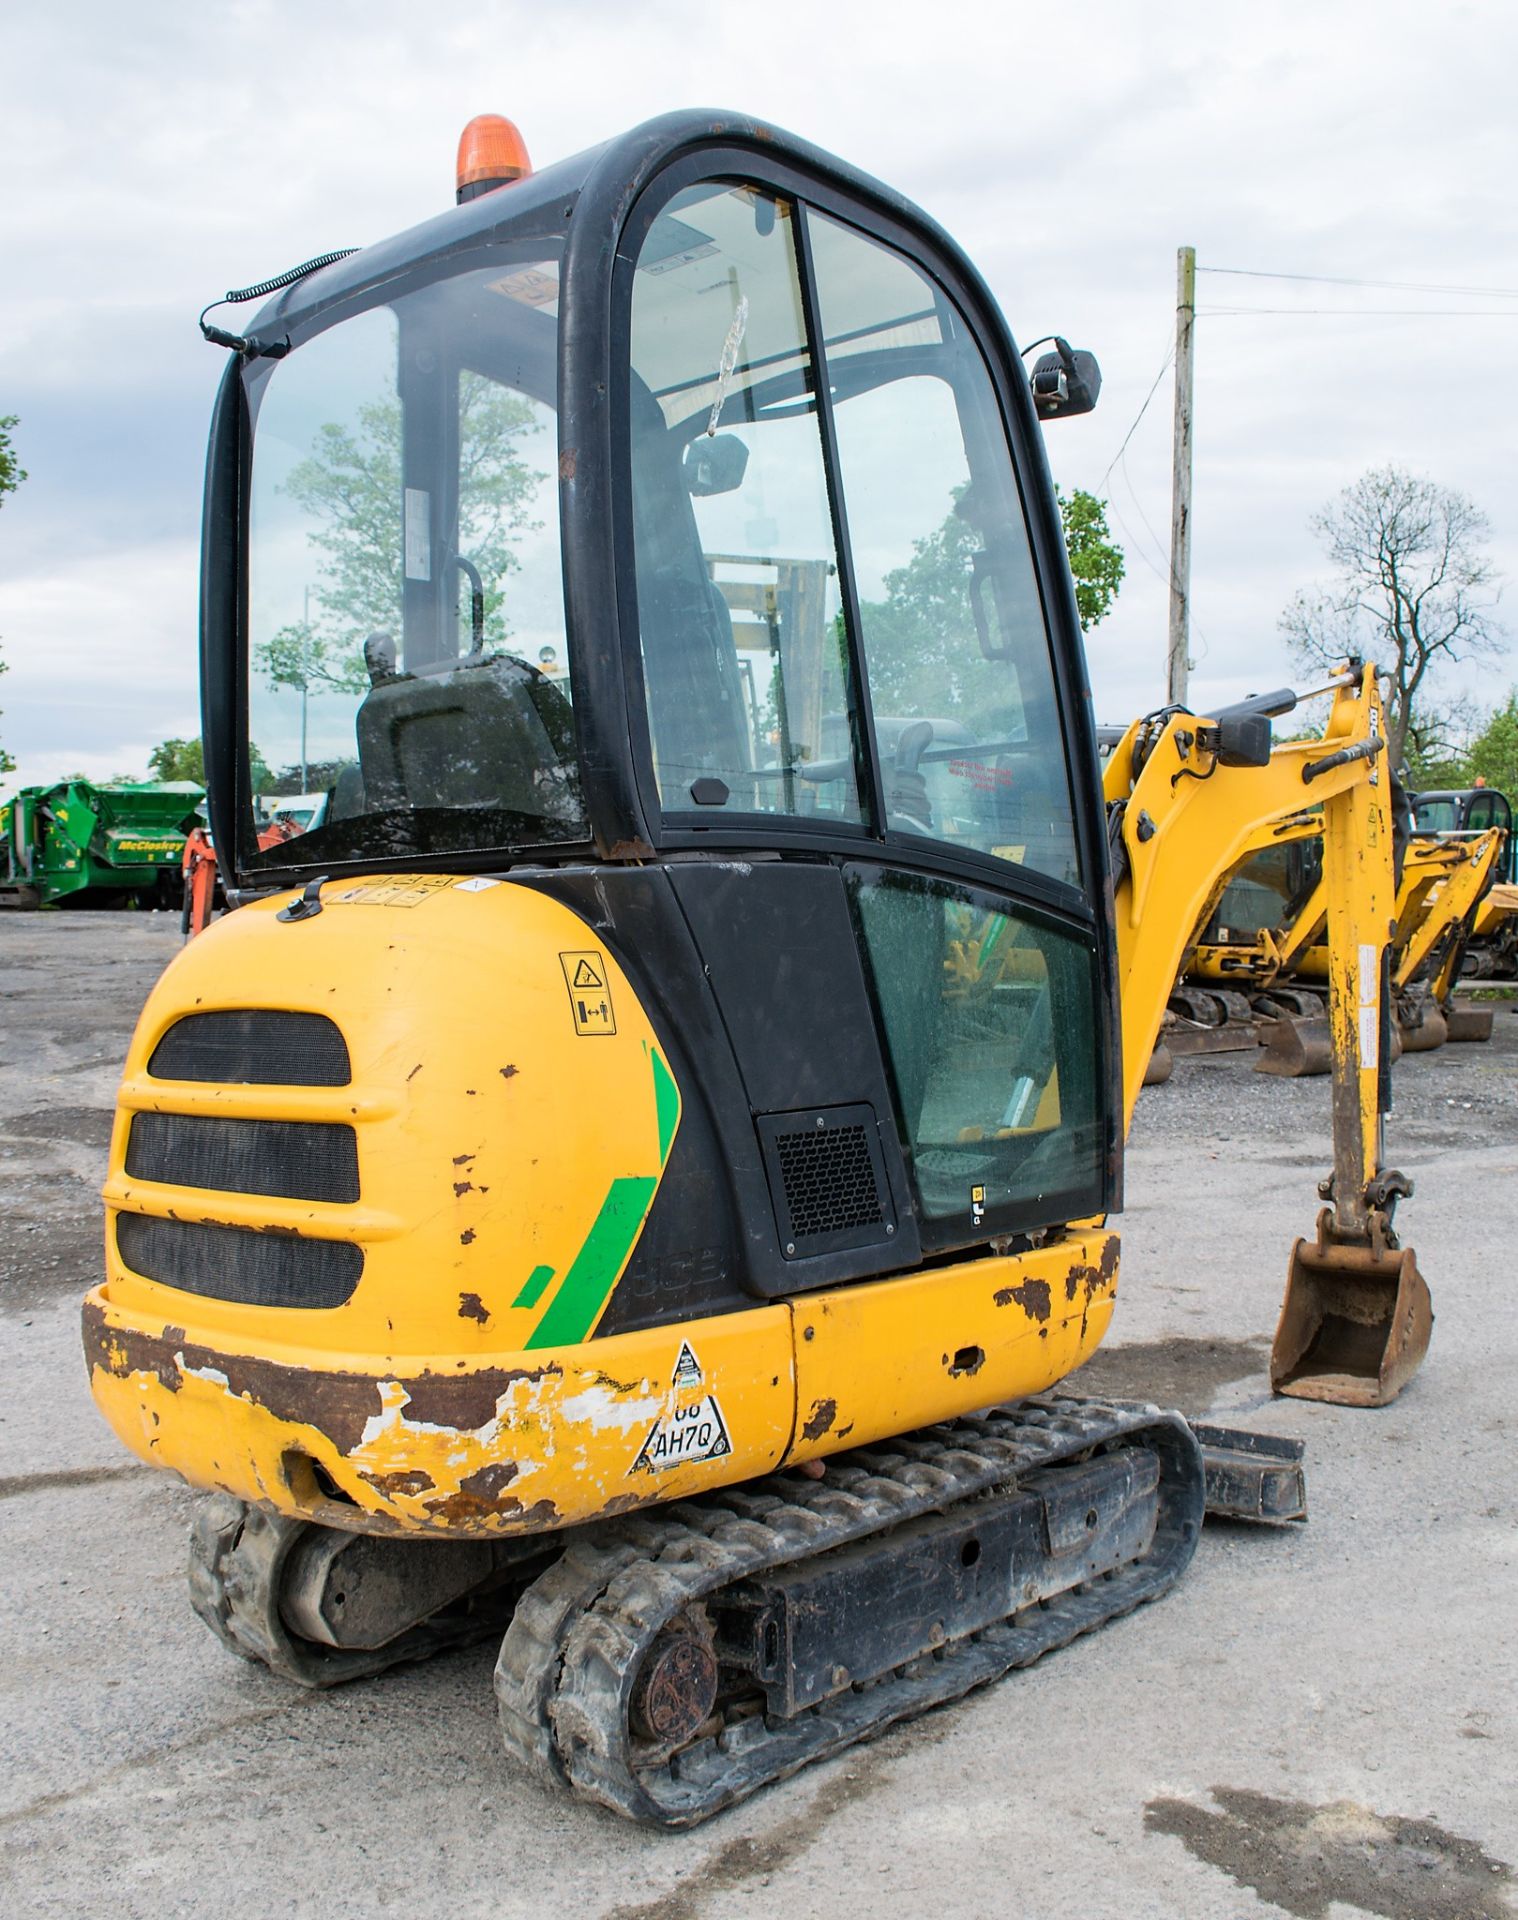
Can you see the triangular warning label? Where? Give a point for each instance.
(696, 1432)
(687, 1371)
(586, 976)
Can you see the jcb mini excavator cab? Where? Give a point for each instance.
(612, 1099)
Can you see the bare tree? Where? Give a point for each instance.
(1414, 589)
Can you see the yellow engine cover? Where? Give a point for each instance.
(514, 1114)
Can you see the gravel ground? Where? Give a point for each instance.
(1318, 1722)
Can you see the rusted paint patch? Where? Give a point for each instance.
(340, 1405)
(472, 1307)
(463, 1159)
(569, 459)
(489, 1482)
(1032, 1296)
(459, 1507)
(1097, 1279)
(412, 1480)
(461, 1187)
(820, 1419)
(466, 1402)
(466, 1238)
(509, 1073)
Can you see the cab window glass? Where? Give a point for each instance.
(744, 654)
(407, 660)
(953, 633)
(990, 1024)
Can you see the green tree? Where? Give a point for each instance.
(178, 760)
(12, 473)
(1097, 565)
(1493, 754)
(350, 487)
(924, 657)
(1436, 751)
(1413, 589)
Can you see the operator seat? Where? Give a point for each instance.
(484, 731)
(690, 664)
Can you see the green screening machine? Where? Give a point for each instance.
(77, 843)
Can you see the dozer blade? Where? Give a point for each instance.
(1354, 1325)
(1468, 1023)
(1291, 1048)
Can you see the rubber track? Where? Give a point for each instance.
(237, 1560)
(581, 1631)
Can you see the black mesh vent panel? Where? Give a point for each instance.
(827, 1179)
(294, 1159)
(253, 1046)
(829, 1182)
(236, 1263)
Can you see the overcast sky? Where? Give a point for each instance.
(154, 155)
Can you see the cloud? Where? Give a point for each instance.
(170, 153)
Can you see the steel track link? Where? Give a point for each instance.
(237, 1561)
(581, 1632)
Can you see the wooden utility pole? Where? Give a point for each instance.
(1180, 494)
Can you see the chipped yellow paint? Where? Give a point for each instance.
(536, 1441)
(489, 1135)
(878, 1360)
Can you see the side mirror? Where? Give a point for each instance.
(1066, 381)
(715, 463)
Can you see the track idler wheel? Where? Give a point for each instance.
(1355, 1322)
(675, 1692)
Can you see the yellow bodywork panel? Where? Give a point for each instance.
(1499, 904)
(513, 1115)
(1188, 821)
(878, 1360)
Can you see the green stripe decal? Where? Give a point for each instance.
(666, 1104)
(532, 1293)
(577, 1305)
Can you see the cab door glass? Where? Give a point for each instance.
(953, 632)
(744, 656)
(991, 1032)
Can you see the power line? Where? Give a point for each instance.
(1391, 286)
(1154, 388)
(1370, 313)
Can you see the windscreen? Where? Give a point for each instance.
(408, 666)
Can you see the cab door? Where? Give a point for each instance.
(848, 663)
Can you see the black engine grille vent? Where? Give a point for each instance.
(290, 1159)
(827, 1179)
(254, 1047)
(240, 1264)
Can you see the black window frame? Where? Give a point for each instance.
(675, 831)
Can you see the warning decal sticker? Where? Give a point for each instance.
(390, 890)
(694, 1432)
(589, 993)
(689, 1429)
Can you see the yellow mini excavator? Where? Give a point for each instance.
(1279, 969)
(595, 1182)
